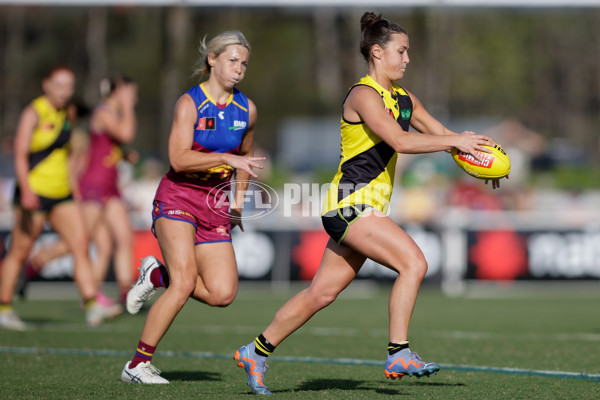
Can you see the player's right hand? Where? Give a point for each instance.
(29, 200)
(472, 143)
(245, 163)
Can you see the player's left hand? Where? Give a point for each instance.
(236, 218)
(495, 182)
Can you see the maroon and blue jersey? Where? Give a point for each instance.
(219, 128)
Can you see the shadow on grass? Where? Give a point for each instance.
(324, 384)
(344, 384)
(40, 322)
(442, 384)
(352, 384)
(191, 376)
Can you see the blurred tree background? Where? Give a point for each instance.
(540, 66)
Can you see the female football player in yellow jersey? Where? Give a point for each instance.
(375, 119)
(44, 192)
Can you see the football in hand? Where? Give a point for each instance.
(494, 165)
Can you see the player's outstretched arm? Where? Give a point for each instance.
(365, 104)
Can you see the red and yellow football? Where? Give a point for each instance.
(494, 165)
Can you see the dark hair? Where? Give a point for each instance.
(108, 85)
(57, 68)
(376, 30)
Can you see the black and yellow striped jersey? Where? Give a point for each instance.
(366, 171)
(49, 151)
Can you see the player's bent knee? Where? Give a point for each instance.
(184, 288)
(423, 269)
(416, 267)
(419, 268)
(322, 300)
(221, 302)
(221, 298)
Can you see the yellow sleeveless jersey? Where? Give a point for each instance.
(367, 166)
(49, 151)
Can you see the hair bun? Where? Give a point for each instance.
(369, 19)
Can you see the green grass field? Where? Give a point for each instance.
(339, 354)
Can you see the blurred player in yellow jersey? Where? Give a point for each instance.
(44, 191)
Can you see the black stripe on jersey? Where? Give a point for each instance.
(361, 169)
(61, 140)
(403, 103)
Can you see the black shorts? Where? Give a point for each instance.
(46, 203)
(336, 222)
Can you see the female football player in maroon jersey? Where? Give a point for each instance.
(211, 140)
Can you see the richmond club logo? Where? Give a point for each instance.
(259, 200)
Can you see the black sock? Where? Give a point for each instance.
(262, 346)
(393, 348)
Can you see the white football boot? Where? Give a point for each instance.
(142, 373)
(98, 313)
(10, 320)
(143, 289)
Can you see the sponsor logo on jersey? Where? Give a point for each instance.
(222, 230)
(206, 124)
(237, 125)
(180, 212)
(221, 114)
(405, 113)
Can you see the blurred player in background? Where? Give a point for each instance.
(376, 116)
(211, 139)
(44, 191)
(113, 124)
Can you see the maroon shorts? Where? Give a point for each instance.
(205, 231)
(99, 192)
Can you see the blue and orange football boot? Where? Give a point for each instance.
(408, 363)
(255, 367)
